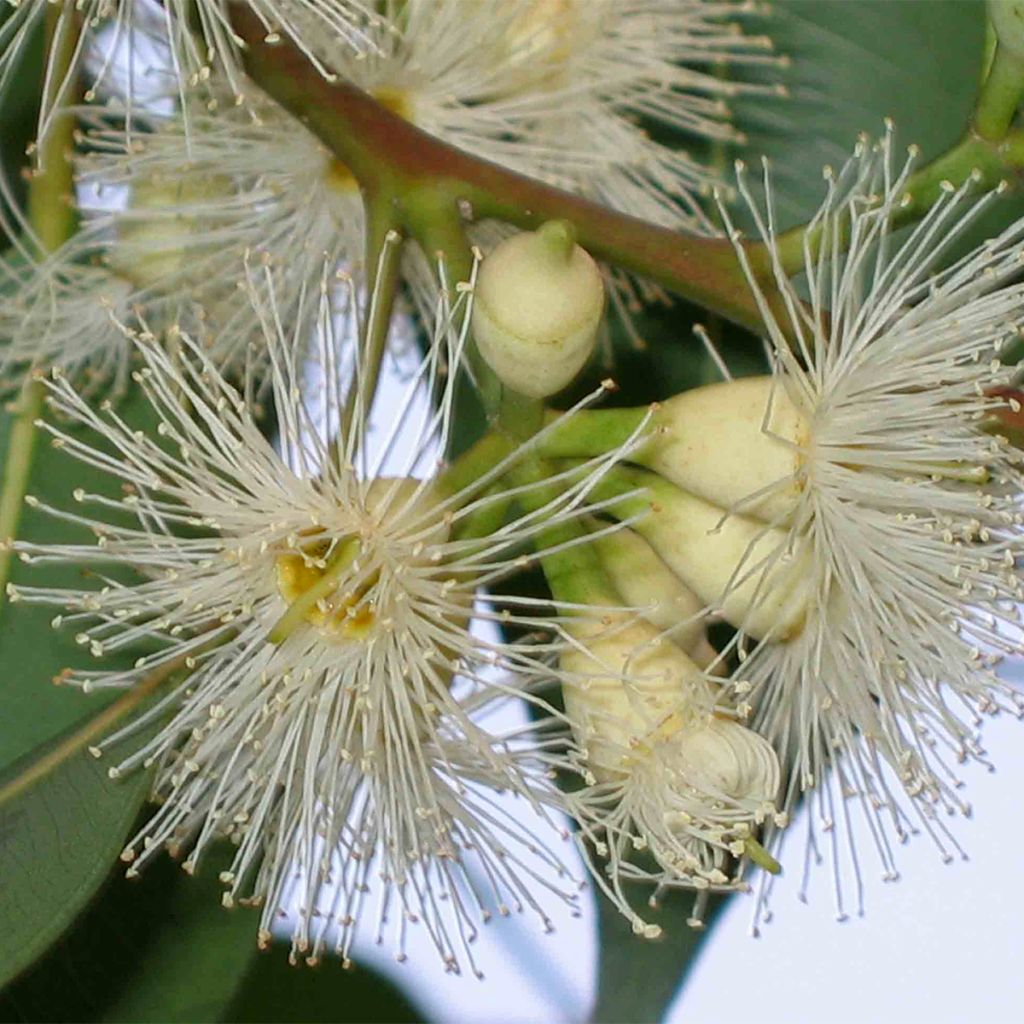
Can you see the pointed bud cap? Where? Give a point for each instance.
(538, 304)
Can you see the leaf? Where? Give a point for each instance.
(157, 948)
(62, 820)
(273, 990)
(640, 981)
(854, 63)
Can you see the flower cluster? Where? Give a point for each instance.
(175, 194)
(781, 590)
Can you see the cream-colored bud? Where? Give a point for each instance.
(649, 585)
(624, 683)
(155, 241)
(1007, 17)
(727, 442)
(537, 306)
(737, 565)
(725, 757)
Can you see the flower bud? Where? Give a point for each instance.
(728, 759)
(537, 306)
(736, 565)
(728, 442)
(621, 684)
(649, 585)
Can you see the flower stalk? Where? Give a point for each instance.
(51, 217)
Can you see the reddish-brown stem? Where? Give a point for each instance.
(390, 156)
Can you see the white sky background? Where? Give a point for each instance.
(944, 944)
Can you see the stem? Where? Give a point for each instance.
(383, 264)
(574, 574)
(52, 219)
(1000, 95)
(590, 433)
(475, 463)
(386, 153)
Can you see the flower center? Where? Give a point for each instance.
(322, 586)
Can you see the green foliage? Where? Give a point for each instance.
(62, 821)
(156, 948)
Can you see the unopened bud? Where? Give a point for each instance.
(746, 570)
(537, 307)
(624, 683)
(163, 224)
(650, 586)
(729, 760)
(738, 444)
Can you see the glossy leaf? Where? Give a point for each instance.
(156, 948)
(62, 821)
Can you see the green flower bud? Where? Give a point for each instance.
(166, 221)
(538, 303)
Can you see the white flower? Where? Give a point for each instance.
(330, 721)
(203, 193)
(56, 309)
(907, 513)
(167, 26)
(672, 777)
(554, 88)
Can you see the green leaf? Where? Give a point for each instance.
(156, 948)
(639, 981)
(854, 63)
(273, 990)
(62, 821)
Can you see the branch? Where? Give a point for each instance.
(389, 155)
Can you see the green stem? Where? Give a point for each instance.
(21, 447)
(1000, 95)
(590, 433)
(575, 573)
(476, 462)
(52, 218)
(383, 269)
(987, 162)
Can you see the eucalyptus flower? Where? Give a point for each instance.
(192, 38)
(331, 722)
(889, 510)
(672, 776)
